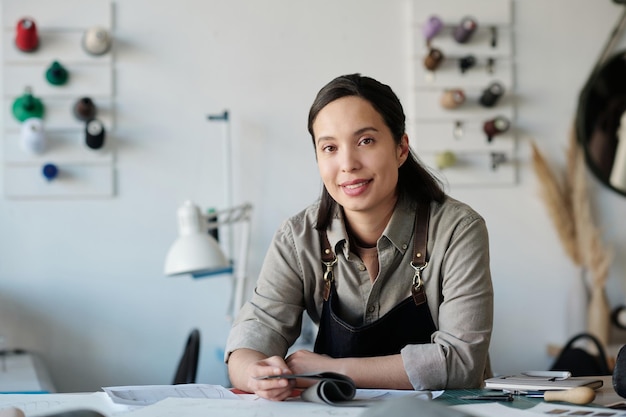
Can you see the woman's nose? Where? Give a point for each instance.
(349, 160)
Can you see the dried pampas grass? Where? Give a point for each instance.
(568, 203)
(556, 196)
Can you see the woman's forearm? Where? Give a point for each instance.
(238, 363)
(383, 372)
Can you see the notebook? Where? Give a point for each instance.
(531, 383)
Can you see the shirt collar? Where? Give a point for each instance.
(398, 231)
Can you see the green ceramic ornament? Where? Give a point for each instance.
(27, 106)
(56, 74)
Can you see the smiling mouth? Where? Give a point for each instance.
(356, 185)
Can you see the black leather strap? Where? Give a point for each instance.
(420, 238)
(419, 259)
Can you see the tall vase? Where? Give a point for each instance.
(599, 315)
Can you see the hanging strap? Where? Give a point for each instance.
(419, 261)
(329, 260)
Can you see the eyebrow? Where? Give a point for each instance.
(356, 133)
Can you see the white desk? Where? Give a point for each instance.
(606, 395)
(22, 372)
(43, 404)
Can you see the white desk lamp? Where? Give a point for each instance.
(198, 253)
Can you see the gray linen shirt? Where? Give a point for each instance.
(457, 281)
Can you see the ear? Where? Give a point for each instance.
(403, 150)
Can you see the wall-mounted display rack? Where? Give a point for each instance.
(463, 112)
(82, 171)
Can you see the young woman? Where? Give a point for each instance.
(394, 272)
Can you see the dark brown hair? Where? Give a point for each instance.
(414, 179)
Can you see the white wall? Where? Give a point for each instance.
(81, 281)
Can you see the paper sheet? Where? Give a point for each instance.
(197, 407)
(544, 408)
(150, 394)
(565, 410)
(386, 394)
(34, 405)
(251, 405)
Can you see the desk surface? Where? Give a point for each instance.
(605, 396)
(452, 397)
(37, 405)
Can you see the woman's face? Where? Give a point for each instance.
(357, 157)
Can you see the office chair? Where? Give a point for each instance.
(188, 364)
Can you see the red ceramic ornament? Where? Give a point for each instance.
(26, 37)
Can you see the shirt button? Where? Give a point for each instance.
(405, 246)
(371, 309)
(361, 267)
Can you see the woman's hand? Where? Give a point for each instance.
(246, 366)
(275, 389)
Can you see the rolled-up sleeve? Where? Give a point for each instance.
(271, 321)
(460, 297)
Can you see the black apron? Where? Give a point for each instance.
(409, 322)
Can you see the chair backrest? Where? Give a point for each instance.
(188, 364)
(579, 361)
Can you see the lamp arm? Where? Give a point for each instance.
(240, 270)
(238, 214)
(228, 216)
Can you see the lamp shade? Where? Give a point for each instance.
(195, 251)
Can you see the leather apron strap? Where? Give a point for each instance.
(419, 261)
(420, 258)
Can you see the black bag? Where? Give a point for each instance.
(580, 362)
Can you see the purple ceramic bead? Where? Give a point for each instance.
(463, 32)
(432, 27)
